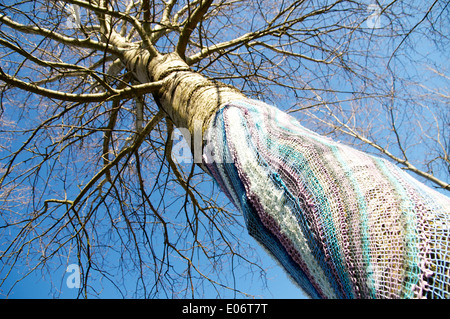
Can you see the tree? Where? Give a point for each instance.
(92, 94)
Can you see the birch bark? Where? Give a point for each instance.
(187, 97)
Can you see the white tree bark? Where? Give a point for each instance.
(188, 98)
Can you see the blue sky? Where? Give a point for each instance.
(50, 285)
(54, 285)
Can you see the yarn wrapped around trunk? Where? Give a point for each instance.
(342, 223)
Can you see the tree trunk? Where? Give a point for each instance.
(343, 224)
(188, 98)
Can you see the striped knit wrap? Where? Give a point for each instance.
(342, 223)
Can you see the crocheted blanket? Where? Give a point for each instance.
(342, 223)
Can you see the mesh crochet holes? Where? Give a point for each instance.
(342, 223)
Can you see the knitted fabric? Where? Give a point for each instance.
(342, 223)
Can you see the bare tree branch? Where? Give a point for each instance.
(190, 25)
(72, 97)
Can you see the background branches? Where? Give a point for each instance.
(88, 172)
